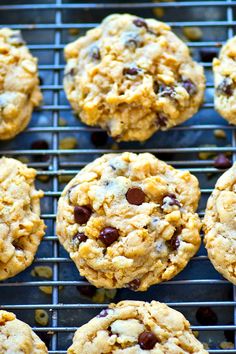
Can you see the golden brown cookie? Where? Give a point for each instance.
(21, 229)
(135, 327)
(129, 220)
(220, 225)
(132, 77)
(19, 84)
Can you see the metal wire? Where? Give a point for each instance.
(185, 157)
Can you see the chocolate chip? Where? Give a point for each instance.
(225, 87)
(139, 22)
(108, 235)
(221, 162)
(189, 86)
(147, 340)
(206, 316)
(87, 290)
(95, 53)
(170, 199)
(71, 72)
(134, 284)
(174, 242)
(207, 55)
(79, 238)
(40, 145)
(103, 313)
(132, 41)
(82, 214)
(155, 87)
(161, 120)
(166, 91)
(99, 138)
(130, 71)
(135, 196)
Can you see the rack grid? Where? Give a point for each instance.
(46, 27)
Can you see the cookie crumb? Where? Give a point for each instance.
(226, 345)
(68, 143)
(41, 317)
(42, 272)
(193, 33)
(206, 155)
(196, 334)
(65, 178)
(48, 289)
(205, 346)
(43, 178)
(158, 12)
(73, 31)
(62, 122)
(220, 134)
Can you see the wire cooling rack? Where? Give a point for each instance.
(47, 26)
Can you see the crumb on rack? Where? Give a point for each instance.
(226, 345)
(196, 334)
(23, 159)
(219, 134)
(41, 317)
(73, 31)
(62, 122)
(68, 143)
(48, 289)
(193, 33)
(42, 272)
(65, 178)
(206, 155)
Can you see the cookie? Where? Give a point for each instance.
(129, 220)
(224, 69)
(132, 327)
(17, 337)
(219, 225)
(19, 84)
(21, 228)
(132, 77)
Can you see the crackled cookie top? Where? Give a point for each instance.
(132, 77)
(220, 225)
(21, 228)
(225, 81)
(17, 337)
(19, 90)
(133, 327)
(128, 220)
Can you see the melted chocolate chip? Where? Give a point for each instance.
(95, 53)
(87, 290)
(190, 87)
(166, 91)
(171, 200)
(132, 42)
(79, 238)
(130, 71)
(225, 87)
(134, 284)
(82, 214)
(174, 242)
(99, 138)
(206, 316)
(103, 313)
(161, 120)
(108, 235)
(147, 340)
(139, 22)
(135, 196)
(222, 162)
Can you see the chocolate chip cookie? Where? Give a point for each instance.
(132, 77)
(134, 327)
(21, 228)
(225, 81)
(129, 220)
(17, 337)
(19, 84)
(220, 224)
